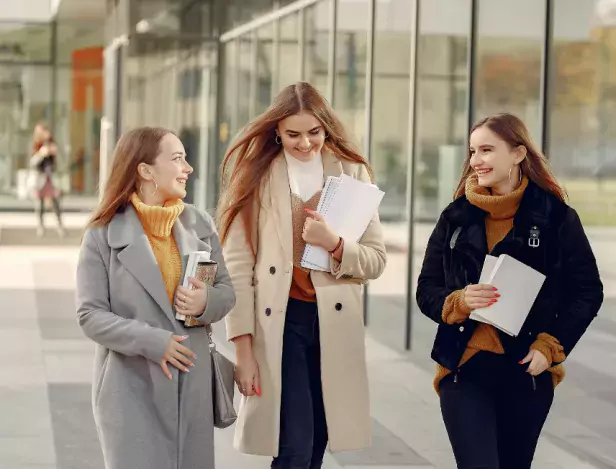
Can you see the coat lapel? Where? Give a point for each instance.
(137, 257)
(281, 203)
(185, 239)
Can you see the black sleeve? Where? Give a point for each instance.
(431, 290)
(582, 289)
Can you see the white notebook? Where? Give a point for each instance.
(348, 205)
(518, 285)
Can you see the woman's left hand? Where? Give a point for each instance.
(318, 233)
(538, 362)
(191, 302)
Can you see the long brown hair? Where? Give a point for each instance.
(249, 157)
(535, 166)
(140, 145)
(37, 142)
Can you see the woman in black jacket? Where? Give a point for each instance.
(496, 390)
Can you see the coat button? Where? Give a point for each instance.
(272, 270)
(268, 311)
(338, 306)
(461, 329)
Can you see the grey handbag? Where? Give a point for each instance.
(223, 386)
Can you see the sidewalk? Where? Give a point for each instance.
(45, 386)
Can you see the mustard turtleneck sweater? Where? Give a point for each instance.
(157, 222)
(499, 221)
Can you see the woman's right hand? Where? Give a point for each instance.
(480, 295)
(247, 374)
(177, 354)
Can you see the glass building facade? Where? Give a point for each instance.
(51, 71)
(407, 77)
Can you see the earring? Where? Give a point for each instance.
(326, 135)
(155, 188)
(510, 182)
(278, 140)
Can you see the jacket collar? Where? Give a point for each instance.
(537, 207)
(126, 233)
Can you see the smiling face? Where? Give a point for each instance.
(170, 171)
(492, 159)
(302, 135)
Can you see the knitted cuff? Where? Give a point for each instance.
(550, 347)
(455, 309)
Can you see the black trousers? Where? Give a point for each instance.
(56, 208)
(303, 430)
(494, 412)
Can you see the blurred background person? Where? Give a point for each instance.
(42, 178)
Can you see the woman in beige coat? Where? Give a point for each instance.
(298, 333)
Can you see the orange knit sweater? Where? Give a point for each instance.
(157, 223)
(499, 221)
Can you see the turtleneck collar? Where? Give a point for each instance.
(157, 220)
(499, 207)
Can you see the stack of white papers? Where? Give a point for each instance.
(518, 285)
(191, 268)
(348, 206)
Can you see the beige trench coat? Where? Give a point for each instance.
(262, 291)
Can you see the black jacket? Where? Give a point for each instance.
(571, 294)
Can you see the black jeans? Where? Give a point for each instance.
(303, 430)
(494, 412)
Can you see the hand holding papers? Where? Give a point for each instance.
(200, 267)
(347, 205)
(518, 285)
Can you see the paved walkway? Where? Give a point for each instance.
(45, 378)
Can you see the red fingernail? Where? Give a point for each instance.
(497, 295)
(259, 392)
(494, 288)
(521, 362)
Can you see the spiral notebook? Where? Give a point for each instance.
(348, 206)
(518, 285)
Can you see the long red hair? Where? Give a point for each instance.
(140, 145)
(249, 157)
(535, 166)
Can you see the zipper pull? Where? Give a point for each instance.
(534, 383)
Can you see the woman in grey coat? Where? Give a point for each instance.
(152, 387)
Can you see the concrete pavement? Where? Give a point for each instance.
(46, 374)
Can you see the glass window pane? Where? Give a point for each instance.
(390, 124)
(75, 35)
(265, 69)
(317, 45)
(442, 104)
(25, 42)
(288, 71)
(245, 78)
(582, 134)
(350, 81)
(509, 51)
(25, 99)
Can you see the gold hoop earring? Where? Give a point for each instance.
(511, 183)
(278, 140)
(155, 188)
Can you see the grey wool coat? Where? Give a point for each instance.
(144, 420)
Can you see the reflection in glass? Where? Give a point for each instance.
(23, 103)
(25, 42)
(582, 135)
(316, 48)
(509, 50)
(288, 70)
(350, 79)
(265, 69)
(442, 104)
(390, 124)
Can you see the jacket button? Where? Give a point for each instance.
(461, 329)
(338, 306)
(268, 311)
(272, 270)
